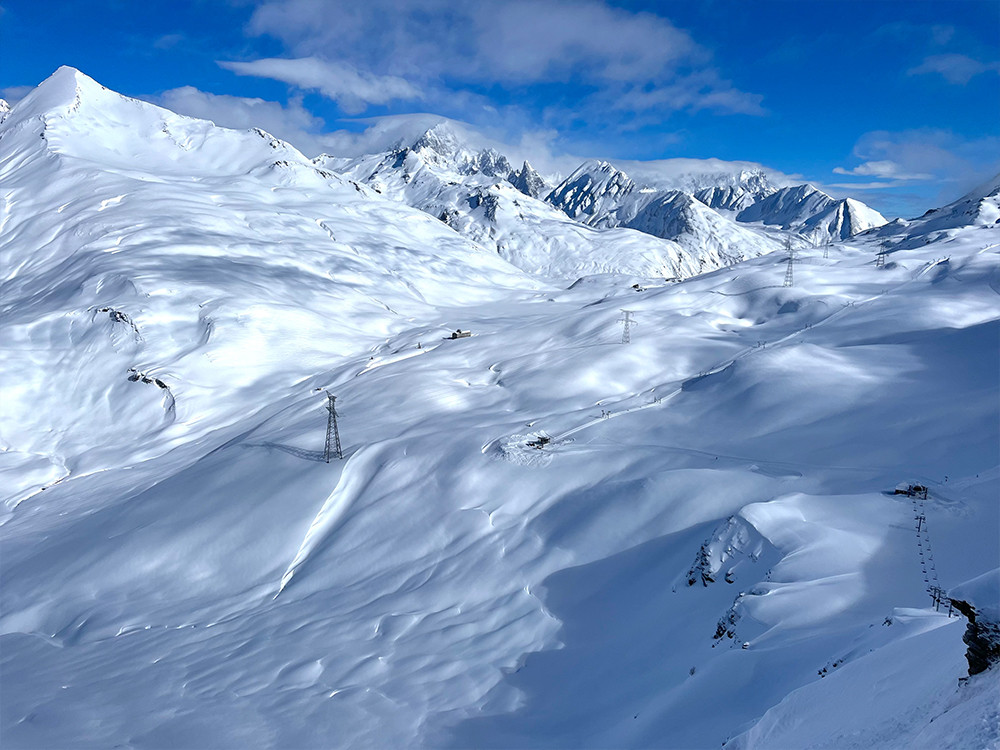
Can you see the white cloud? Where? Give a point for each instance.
(927, 155)
(13, 94)
(169, 41)
(517, 40)
(442, 48)
(705, 91)
(863, 185)
(883, 168)
(381, 133)
(957, 69)
(342, 82)
(292, 123)
(531, 40)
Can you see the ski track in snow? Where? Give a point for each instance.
(715, 369)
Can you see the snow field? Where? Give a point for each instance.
(203, 578)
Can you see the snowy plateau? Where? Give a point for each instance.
(703, 547)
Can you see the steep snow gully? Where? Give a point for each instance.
(703, 545)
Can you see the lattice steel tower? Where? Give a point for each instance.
(880, 258)
(627, 323)
(791, 262)
(332, 432)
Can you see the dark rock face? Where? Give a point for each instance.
(528, 181)
(982, 636)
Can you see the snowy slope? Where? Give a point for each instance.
(812, 213)
(478, 194)
(600, 195)
(749, 188)
(192, 254)
(978, 208)
(196, 575)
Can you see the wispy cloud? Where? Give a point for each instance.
(863, 185)
(342, 82)
(292, 123)
(955, 68)
(931, 156)
(884, 168)
(168, 41)
(922, 34)
(442, 48)
(13, 94)
(705, 91)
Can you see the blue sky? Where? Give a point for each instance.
(896, 103)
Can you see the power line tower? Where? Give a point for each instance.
(791, 261)
(880, 258)
(627, 323)
(332, 432)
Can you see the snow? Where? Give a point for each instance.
(813, 213)
(616, 225)
(478, 194)
(181, 567)
(601, 195)
(983, 592)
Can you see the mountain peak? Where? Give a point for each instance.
(739, 192)
(440, 138)
(988, 189)
(491, 163)
(77, 117)
(596, 185)
(63, 91)
(528, 181)
(442, 145)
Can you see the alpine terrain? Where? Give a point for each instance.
(716, 464)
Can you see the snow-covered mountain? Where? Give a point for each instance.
(528, 181)
(787, 207)
(478, 194)
(594, 193)
(599, 194)
(706, 544)
(748, 188)
(705, 224)
(812, 213)
(979, 208)
(188, 235)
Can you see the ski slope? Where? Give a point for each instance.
(190, 572)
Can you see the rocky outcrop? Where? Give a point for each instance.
(528, 181)
(982, 636)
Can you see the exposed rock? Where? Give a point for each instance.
(528, 181)
(982, 636)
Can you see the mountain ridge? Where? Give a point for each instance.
(557, 530)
